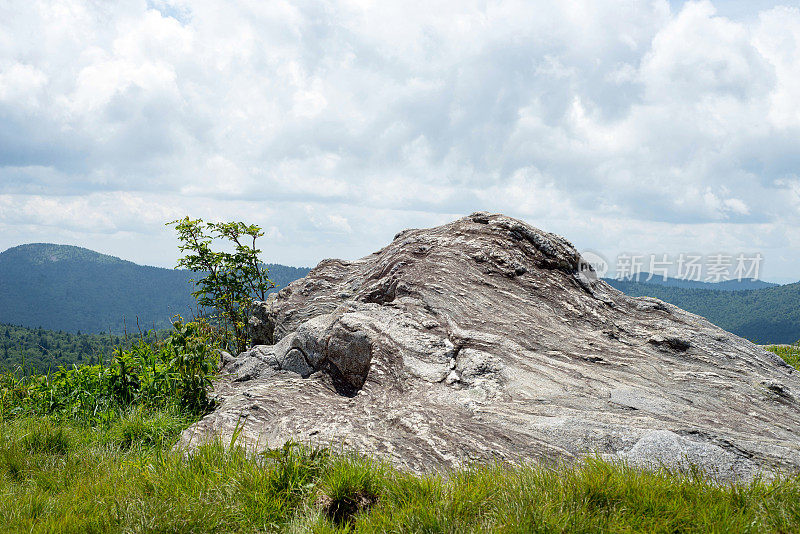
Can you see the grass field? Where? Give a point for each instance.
(58, 477)
(66, 472)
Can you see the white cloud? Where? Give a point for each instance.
(701, 58)
(335, 123)
(21, 83)
(777, 39)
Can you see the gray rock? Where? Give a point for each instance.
(483, 339)
(261, 324)
(662, 448)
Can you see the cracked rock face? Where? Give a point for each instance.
(485, 339)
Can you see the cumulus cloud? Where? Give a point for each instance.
(638, 125)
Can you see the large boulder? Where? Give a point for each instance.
(486, 339)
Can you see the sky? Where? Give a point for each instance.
(661, 127)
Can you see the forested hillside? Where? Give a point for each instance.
(768, 315)
(40, 350)
(61, 287)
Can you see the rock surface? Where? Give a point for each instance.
(488, 339)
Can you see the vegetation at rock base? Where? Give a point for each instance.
(173, 373)
(57, 477)
(90, 450)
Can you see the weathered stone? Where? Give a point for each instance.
(261, 324)
(485, 339)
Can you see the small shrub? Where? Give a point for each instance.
(191, 364)
(228, 281)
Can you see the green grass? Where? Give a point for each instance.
(789, 353)
(66, 477)
(86, 451)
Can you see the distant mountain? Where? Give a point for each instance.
(766, 315)
(62, 287)
(727, 285)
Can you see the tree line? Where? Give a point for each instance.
(37, 350)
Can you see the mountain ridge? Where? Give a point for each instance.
(744, 284)
(70, 288)
(54, 252)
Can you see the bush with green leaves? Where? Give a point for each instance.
(229, 281)
(176, 371)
